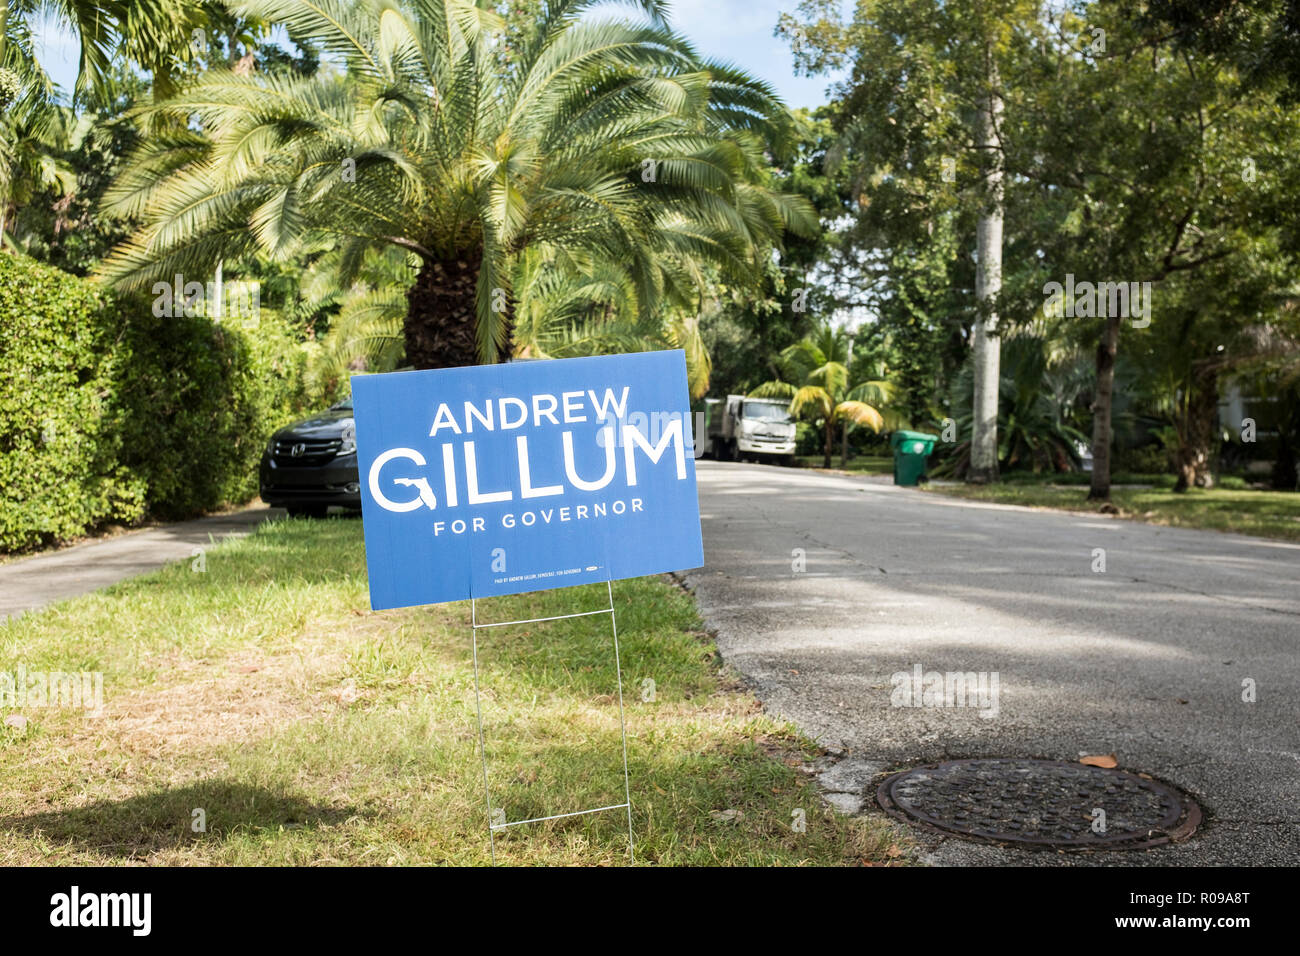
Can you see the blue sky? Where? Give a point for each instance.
(740, 31)
(737, 31)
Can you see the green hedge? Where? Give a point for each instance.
(201, 399)
(59, 431)
(109, 413)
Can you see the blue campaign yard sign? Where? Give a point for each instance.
(499, 479)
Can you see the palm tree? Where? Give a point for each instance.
(33, 128)
(815, 375)
(597, 138)
(1039, 390)
(563, 311)
(572, 305)
(364, 318)
(156, 34)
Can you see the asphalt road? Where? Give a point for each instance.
(1147, 660)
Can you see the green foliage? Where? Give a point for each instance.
(200, 401)
(924, 311)
(1037, 394)
(576, 305)
(825, 387)
(905, 158)
(746, 326)
(157, 35)
(109, 413)
(1142, 143)
(60, 435)
(1261, 38)
(29, 125)
(62, 224)
(1145, 459)
(596, 136)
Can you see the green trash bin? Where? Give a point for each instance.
(911, 449)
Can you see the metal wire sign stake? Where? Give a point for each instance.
(493, 480)
(494, 825)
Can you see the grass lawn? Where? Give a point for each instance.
(861, 464)
(311, 730)
(1271, 514)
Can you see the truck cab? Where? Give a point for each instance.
(755, 428)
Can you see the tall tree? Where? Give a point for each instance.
(922, 115)
(986, 340)
(746, 325)
(1169, 176)
(31, 124)
(604, 138)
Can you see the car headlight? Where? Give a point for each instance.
(349, 447)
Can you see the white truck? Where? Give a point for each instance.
(740, 427)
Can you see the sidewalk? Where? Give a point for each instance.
(30, 583)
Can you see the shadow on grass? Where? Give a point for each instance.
(167, 819)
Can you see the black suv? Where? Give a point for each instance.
(312, 464)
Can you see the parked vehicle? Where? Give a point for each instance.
(312, 464)
(749, 428)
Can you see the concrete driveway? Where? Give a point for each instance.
(29, 583)
(1147, 659)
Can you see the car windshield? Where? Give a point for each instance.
(765, 412)
(343, 406)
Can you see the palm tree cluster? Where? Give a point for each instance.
(825, 384)
(564, 173)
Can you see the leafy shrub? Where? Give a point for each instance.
(109, 413)
(808, 440)
(201, 401)
(1146, 459)
(1037, 430)
(60, 439)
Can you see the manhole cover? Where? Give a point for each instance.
(1047, 803)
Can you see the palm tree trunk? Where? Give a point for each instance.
(441, 316)
(988, 284)
(830, 441)
(844, 444)
(1101, 406)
